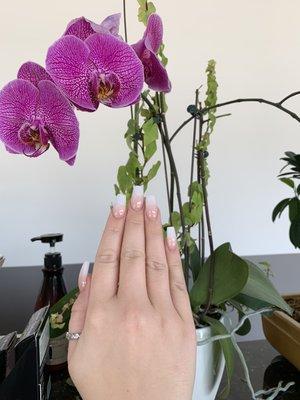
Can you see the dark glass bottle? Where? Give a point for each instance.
(52, 290)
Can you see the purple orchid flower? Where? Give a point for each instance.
(33, 115)
(100, 69)
(83, 28)
(33, 72)
(147, 48)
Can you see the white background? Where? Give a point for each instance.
(257, 48)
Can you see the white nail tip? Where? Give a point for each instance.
(171, 233)
(120, 199)
(150, 200)
(138, 190)
(83, 274)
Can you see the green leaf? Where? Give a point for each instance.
(298, 190)
(163, 58)
(295, 233)
(288, 182)
(294, 209)
(260, 291)
(150, 150)
(132, 165)
(176, 220)
(63, 307)
(195, 262)
(150, 132)
(231, 275)
(130, 132)
(246, 327)
(124, 181)
(153, 171)
(228, 351)
(280, 208)
(145, 9)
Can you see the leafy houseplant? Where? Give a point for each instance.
(38, 109)
(281, 328)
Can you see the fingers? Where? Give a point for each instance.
(178, 288)
(157, 274)
(132, 278)
(79, 308)
(106, 267)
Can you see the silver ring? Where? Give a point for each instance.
(73, 336)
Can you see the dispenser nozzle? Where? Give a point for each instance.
(50, 238)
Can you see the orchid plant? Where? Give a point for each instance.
(91, 64)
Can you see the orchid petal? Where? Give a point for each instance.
(59, 120)
(18, 101)
(154, 33)
(156, 75)
(113, 56)
(33, 72)
(68, 64)
(110, 25)
(79, 27)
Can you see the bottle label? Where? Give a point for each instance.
(58, 350)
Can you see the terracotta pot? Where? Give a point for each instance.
(283, 333)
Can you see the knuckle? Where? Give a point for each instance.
(179, 286)
(135, 320)
(156, 265)
(136, 222)
(133, 254)
(108, 256)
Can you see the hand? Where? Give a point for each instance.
(137, 333)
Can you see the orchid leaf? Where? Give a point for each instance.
(259, 291)
(228, 268)
(195, 262)
(228, 351)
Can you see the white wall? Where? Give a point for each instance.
(257, 48)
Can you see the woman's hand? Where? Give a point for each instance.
(137, 333)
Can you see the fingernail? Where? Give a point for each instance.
(137, 198)
(151, 207)
(83, 275)
(171, 238)
(119, 206)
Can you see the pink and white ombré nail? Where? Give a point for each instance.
(171, 238)
(83, 275)
(119, 206)
(137, 198)
(151, 207)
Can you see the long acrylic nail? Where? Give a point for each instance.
(137, 198)
(151, 207)
(171, 238)
(83, 275)
(119, 206)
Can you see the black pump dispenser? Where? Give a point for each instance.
(52, 260)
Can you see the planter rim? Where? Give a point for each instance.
(205, 331)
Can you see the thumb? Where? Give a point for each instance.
(77, 319)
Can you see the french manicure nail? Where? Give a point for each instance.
(83, 275)
(171, 238)
(119, 206)
(137, 198)
(151, 207)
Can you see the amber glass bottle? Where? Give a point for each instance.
(53, 289)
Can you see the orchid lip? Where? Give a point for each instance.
(34, 135)
(105, 86)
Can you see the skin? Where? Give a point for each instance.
(138, 336)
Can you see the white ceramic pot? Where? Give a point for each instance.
(210, 364)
